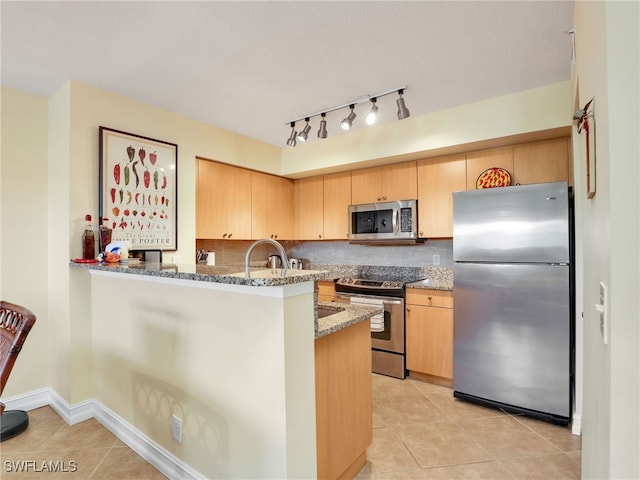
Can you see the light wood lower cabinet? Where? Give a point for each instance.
(343, 401)
(429, 334)
(326, 291)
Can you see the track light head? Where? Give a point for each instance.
(347, 122)
(372, 116)
(403, 111)
(322, 131)
(304, 134)
(291, 142)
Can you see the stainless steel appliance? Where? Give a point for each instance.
(513, 297)
(384, 222)
(387, 329)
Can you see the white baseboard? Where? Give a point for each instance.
(164, 461)
(576, 424)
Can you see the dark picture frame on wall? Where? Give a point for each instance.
(139, 189)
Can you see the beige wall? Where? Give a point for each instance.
(24, 225)
(458, 129)
(607, 66)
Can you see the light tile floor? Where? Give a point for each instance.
(50, 449)
(420, 431)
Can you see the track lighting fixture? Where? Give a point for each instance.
(403, 111)
(372, 116)
(347, 122)
(292, 138)
(322, 131)
(304, 134)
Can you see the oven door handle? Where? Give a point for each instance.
(385, 300)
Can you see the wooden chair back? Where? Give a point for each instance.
(15, 325)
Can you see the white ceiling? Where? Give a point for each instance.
(251, 67)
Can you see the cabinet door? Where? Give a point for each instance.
(326, 291)
(438, 178)
(539, 162)
(272, 202)
(478, 162)
(381, 184)
(366, 185)
(309, 208)
(223, 201)
(337, 198)
(400, 181)
(430, 340)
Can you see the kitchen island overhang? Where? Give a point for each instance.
(232, 357)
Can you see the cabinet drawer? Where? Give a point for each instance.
(429, 298)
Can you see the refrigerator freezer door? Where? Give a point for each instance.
(512, 335)
(525, 223)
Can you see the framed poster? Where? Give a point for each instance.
(138, 189)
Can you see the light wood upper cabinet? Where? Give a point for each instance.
(430, 333)
(478, 162)
(337, 198)
(309, 193)
(383, 184)
(272, 207)
(223, 201)
(538, 162)
(438, 178)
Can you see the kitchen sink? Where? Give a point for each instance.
(328, 311)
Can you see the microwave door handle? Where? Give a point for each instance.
(395, 220)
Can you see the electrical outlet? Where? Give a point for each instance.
(176, 428)
(436, 259)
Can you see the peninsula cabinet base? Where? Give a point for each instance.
(425, 377)
(343, 401)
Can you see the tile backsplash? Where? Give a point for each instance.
(232, 252)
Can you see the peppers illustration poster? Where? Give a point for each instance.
(138, 189)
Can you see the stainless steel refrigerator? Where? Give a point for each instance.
(513, 299)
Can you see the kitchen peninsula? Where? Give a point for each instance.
(233, 358)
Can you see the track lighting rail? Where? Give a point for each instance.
(363, 98)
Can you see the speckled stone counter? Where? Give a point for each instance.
(231, 275)
(345, 316)
(436, 278)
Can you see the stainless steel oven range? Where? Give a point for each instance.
(387, 330)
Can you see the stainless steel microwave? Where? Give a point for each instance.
(384, 222)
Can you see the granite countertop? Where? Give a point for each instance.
(432, 284)
(233, 275)
(345, 316)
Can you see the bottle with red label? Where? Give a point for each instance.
(88, 240)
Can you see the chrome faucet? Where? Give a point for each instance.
(283, 255)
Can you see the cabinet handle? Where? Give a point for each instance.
(230, 235)
(378, 198)
(319, 236)
(224, 235)
(384, 197)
